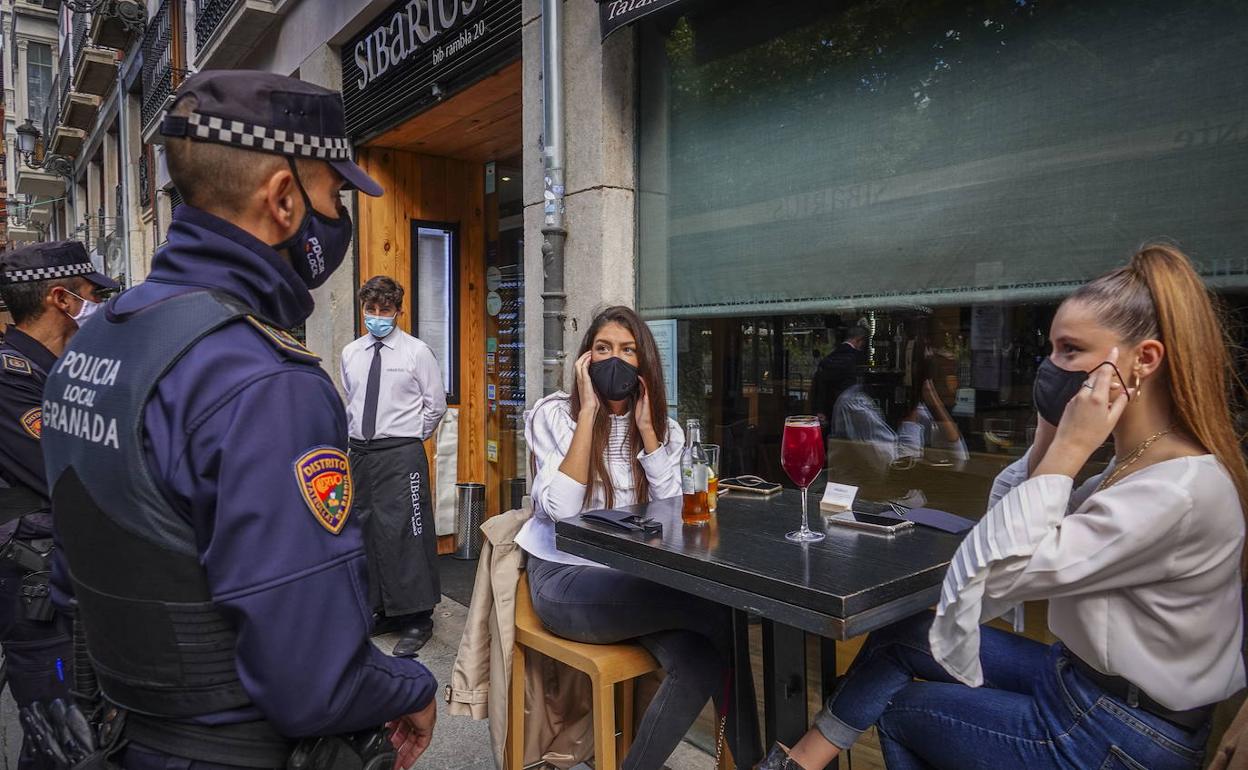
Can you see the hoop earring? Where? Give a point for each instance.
(1138, 389)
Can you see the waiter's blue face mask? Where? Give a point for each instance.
(320, 244)
(379, 325)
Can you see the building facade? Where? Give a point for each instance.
(757, 181)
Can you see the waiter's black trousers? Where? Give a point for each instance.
(391, 480)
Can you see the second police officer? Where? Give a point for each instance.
(50, 289)
(198, 462)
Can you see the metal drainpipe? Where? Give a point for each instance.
(554, 299)
(123, 214)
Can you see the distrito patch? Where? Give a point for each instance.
(324, 477)
(32, 422)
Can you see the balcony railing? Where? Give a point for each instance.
(81, 23)
(52, 110)
(145, 179)
(208, 16)
(162, 67)
(65, 72)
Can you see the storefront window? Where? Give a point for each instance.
(925, 180)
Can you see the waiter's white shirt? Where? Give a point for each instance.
(1142, 578)
(411, 400)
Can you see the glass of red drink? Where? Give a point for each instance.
(801, 455)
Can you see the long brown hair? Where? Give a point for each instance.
(651, 371)
(1160, 296)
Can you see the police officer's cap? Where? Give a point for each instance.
(50, 261)
(264, 112)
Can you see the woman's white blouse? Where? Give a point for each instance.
(1143, 578)
(548, 431)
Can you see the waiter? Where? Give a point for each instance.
(49, 289)
(395, 400)
(196, 453)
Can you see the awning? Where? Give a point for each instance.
(619, 13)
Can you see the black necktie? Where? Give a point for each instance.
(371, 393)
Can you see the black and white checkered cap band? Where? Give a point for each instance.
(265, 139)
(27, 275)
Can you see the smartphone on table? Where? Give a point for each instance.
(879, 518)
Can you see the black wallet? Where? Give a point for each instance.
(625, 521)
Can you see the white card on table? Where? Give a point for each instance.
(838, 497)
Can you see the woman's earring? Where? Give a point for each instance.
(1137, 389)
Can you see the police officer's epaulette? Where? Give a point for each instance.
(15, 364)
(284, 341)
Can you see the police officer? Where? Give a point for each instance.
(49, 289)
(197, 453)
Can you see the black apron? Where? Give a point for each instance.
(392, 496)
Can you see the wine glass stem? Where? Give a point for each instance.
(805, 517)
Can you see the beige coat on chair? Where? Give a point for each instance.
(561, 732)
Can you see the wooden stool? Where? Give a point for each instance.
(607, 665)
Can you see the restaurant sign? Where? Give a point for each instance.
(417, 50)
(614, 14)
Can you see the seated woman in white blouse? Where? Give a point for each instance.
(1141, 564)
(610, 444)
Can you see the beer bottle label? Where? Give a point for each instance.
(695, 478)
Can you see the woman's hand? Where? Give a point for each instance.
(644, 416)
(1088, 421)
(585, 387)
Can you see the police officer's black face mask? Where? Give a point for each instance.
(320, 244)
(1055, 387)
(614, 378)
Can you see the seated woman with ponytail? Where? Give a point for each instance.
(1141, 564)
(609, 444)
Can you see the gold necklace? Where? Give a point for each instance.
(1133, 457)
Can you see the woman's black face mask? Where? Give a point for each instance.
(1055, 387)
(614, 378)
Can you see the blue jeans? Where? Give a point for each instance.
(1035, 710)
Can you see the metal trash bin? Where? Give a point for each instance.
(469, 515)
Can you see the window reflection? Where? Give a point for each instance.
(939, 174)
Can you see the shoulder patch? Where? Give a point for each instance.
(284, 341)
(32, 422)
(324, 477)
(15, 364)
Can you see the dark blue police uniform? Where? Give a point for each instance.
(232, 558)
(36, 647)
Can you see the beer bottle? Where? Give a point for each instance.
(695, 471)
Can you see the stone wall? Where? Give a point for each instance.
(600, 176)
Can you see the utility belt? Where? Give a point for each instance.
(63, 736)
(34, 558)
(1122, 689)
(258, 745)
(246, 744)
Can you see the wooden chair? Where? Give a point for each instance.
(611, 669)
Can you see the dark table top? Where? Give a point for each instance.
(850, 583)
